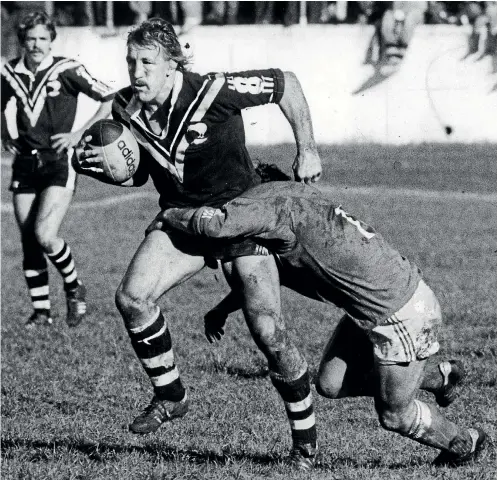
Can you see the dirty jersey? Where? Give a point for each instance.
(323, 252)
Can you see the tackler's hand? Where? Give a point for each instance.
(214, 322)
(157, 224)
(307, 166)
(85, 158)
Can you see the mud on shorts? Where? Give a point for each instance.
(34, 172)
(410, 334)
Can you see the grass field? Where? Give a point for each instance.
(69, 394)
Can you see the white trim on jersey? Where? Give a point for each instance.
(178, 85)
(33, 104)
(185, 116)
(150, 141)
(204, 105)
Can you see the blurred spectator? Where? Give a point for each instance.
(142, 10)
(365, 12)
(192, 14)
(317, 12)
(222, 13)
(264, 12)
(483, 19)
(397, 29)
(9, 36)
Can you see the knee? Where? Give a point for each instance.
(395, 420)
(131, 306)
(327, 388)
(45, 237)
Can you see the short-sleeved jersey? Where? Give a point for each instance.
(47, 99)
(322, 251)
(200, 157)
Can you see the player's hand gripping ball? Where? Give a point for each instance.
(118, 148)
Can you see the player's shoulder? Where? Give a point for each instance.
(196, 80)
(69, 63)
(124, 96)
(121, 102)
(9, 65)
(69, 68)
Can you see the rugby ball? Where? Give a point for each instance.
(118, 148)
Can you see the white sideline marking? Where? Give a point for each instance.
(408, 192)
(369, 191)
(104, 202)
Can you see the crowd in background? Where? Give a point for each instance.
(233, 12)
(394, 21)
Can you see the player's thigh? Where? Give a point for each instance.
(53, 205)
(397, 384)
(348, 352)
(156, 267)
(25, 209)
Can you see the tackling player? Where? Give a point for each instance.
(392, 316)
(43, 181)
(192, 143)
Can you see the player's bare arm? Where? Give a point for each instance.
(307, 165)
(65, 141)
(8, 143)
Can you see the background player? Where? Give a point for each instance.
(192, 140)
(327, 254)
(43, 181)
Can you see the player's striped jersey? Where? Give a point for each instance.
(199, 157)
(47, 99)
(322, 251)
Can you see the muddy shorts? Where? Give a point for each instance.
(411, 333)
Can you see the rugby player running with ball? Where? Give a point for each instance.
(192, 144)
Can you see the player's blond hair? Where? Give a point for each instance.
(157, 31)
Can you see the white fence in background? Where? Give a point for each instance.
(434, 87)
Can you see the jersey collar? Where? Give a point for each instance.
(21, 65)
(135, 106)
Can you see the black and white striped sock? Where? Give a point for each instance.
(64, 263)
(37, 280)
(153, 346)
(299, 408)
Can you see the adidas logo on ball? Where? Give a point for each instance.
(128, 156)
(118, 148)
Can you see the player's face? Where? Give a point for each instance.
(37, 44)
(149, 70)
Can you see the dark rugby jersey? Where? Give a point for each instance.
(323, 252)
(200, 157)
(47, 99)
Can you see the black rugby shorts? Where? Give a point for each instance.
(33, 173)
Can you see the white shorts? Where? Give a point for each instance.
(411, 332)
